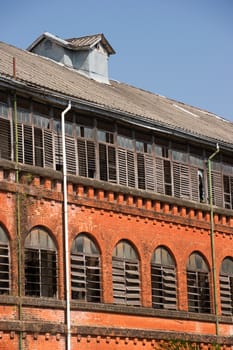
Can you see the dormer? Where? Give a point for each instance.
(88, 55)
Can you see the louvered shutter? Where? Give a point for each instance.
(149, 172)
(4, 269)
(78, 277)
(226, 294)
(28, 144)
(38, 140)
(5, 137)
(20, 143)
(93, 278)
(132, 283)
(169, 288)
(141, 171)
(159, 171)
(112, 176)
(181, 181)
(122, 167)
(82, 158)
(86, 158)
(118, 280)
(91, 159)
(48, 148)
(217, 188)
(195, 195)
(70, 155)
(131, 169)
(58, 151)
(103, 162)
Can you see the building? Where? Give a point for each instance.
(116, 221)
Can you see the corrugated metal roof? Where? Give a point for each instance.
(119, 97)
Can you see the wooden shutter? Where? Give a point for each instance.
(82, 158)
(38, 140)
(70, 155)
(4, 269)
(107, 163)
(181, 181)
(48, 148)
(132, 279)
(112, 176)
(58, 151)
(86, 158)
(163, 282)
(78, 279)
(126, 281)
(226, 294)
(169, 287)
(126, 168)
(195, 194)
(217, 188)
(5, 137)
(20, 143)
(91, 159)
(149, 172)
(159, 171)
(141, 171)
(103, 166)
(28, 144)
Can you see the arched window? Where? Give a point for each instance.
(40, 264)
(163, 280)
(125, 275)
(4, 263)
(85, 270)
(198, 284)
(226, 286)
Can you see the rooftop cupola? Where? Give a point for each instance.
(89, 54)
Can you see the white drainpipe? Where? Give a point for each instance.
(65, 217)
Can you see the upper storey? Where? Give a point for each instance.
(114, 132)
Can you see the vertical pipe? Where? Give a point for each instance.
(18, 229)
(66, 238)
(212, 239)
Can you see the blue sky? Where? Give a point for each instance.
(182, 49)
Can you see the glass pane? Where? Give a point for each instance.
(227, 266)
(39, 238)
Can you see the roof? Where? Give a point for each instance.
(82, 43)
(90, 41)
(40, 72)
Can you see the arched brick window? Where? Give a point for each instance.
(40, 264)
(125, 275)
(4, 263)
(226, 286)
(163, 280)
(198, 284)
(85, 270)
